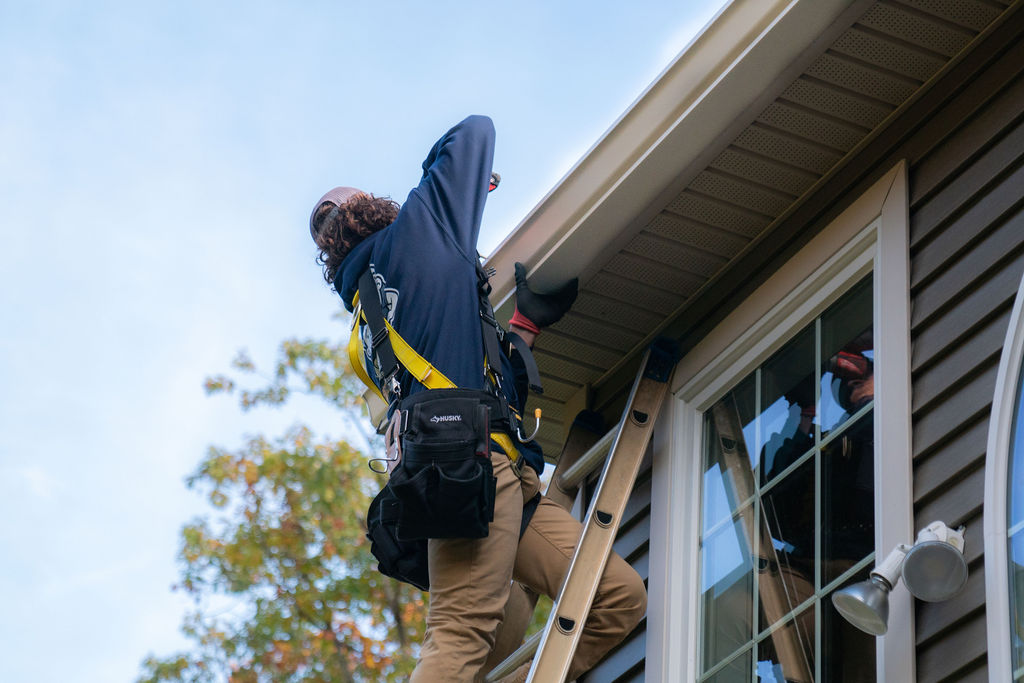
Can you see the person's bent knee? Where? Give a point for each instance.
(631, 597)
(622, 596)
(637, 599)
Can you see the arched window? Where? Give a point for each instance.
(1015, 541)
(1004, 509)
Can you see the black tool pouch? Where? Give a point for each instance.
(402, 560)
(444, 483)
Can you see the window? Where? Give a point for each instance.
(1004, 509)
(788, 507)
(767, 481)
(1015, 540)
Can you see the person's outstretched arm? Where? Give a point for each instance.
(456, 174)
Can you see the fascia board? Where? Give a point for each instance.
(697, 98)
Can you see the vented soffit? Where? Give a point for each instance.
(722, 147)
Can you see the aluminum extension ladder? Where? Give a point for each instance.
(585, 448)
(562, 632)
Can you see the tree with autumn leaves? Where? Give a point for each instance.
(284, 583)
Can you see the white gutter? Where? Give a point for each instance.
(724, 78)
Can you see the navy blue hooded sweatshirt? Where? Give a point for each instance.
(424, 265)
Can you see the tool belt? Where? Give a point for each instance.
(444, 484)
(444, 481)
(406, 560)
(442, 487)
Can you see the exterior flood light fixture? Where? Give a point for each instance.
(933, 569)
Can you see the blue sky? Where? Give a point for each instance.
(158, 162)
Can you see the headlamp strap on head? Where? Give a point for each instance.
(332, 213)
(315, 226)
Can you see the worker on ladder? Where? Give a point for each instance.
(427, 280)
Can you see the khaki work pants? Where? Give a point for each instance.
(470, 580)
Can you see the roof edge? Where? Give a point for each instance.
(718, 77)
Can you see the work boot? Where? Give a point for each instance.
(517, 676)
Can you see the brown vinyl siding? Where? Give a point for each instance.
(963, 139)
(967, 258)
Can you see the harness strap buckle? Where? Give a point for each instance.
(391, 385)
(379, 337)
(517, 465)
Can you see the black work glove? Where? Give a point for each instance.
(541, 309)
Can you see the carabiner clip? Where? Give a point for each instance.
(392, 445)
(519, 432)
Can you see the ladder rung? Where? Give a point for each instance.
(516, 659)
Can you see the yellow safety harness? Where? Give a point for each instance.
(418, 366)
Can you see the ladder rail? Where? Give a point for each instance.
(589, 462)
(521, 603)
(565, 625)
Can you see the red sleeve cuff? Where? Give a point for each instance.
(520, 320)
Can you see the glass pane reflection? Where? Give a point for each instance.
(736, 671)
(727, 586)
(728, 480)
(847, 353)
(1017, 598)
(786, 570)
(761, 617)
(1015, 477)
(847, 653)
(847, 499)
(786, 655)
(787, 405)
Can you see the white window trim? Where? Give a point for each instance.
(997, 462)
(872, 235)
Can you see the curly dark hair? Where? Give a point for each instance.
(340, 228)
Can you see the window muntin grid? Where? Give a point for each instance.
(807, 414)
